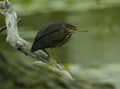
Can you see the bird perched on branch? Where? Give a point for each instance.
(53, 35)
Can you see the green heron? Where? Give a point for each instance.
(53, 35)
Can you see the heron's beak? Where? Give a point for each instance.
(78, 30)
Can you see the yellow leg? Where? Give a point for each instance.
(47, 53)
(56, 57)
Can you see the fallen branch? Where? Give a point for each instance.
(22, 45)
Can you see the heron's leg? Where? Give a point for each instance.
(54, 54)
(47, 53)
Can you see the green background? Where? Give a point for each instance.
(86, 54)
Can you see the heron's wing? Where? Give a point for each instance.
(48, 29)
(48, 36)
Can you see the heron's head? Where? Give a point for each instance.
(72, 28)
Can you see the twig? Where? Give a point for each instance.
(2, 28)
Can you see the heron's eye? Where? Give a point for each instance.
(73, 28)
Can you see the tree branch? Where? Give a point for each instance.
(22, 45)
(4, 27)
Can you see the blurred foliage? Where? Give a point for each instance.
(18, 75)
(36, 6)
